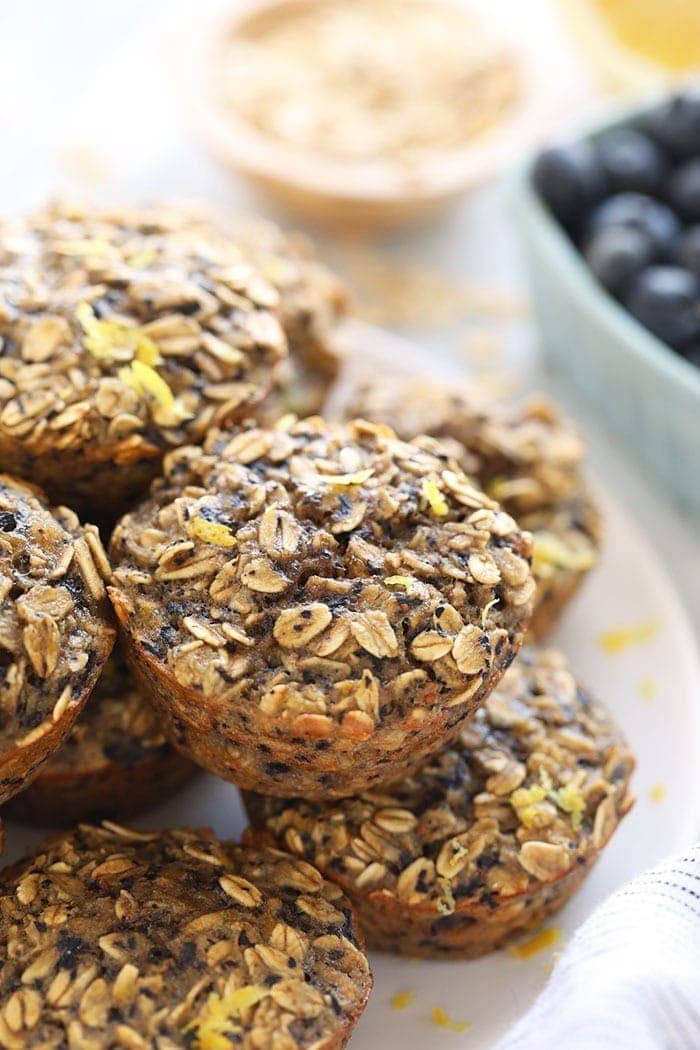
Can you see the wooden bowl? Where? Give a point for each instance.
(361, 196)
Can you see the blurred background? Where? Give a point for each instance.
(114, 101)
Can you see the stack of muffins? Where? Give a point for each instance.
(323, 613)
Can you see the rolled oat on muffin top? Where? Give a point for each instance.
(316, 607)
(124, 333)
(111, 937)
(490, 836)
(115, 762)
(55, 627)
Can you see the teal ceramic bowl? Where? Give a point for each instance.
(643, 391)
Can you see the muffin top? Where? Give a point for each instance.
(55, 632)
(128, 331)
(118, 726)
(322, 573)
(116, 937)
(533, 785)
(524, 455)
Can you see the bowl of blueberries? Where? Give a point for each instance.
(611, 230)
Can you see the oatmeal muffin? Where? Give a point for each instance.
(124, 334)
(112, 937)
(489, 837)
(316, 607)
(115, 763)
(526, 456)
(55, 630)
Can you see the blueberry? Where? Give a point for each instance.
(617, 254)
(684, 190)
(637, 211)
(569, 179)
(689, 250)
(631, 161)
(675, 124)
(692, 354)
(666, 299)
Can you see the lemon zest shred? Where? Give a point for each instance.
(524, 797)
(541, 941)
(570, 799)
(402, 1000)
(443, 1020)
(658, 793)
(399, 581)
(142, 259)
(618, 639)
(211, 532)
(550, 553)
(215, 1019)
(434, 497)
(103, 337)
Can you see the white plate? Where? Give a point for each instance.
(629, 587)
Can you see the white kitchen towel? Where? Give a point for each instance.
(630, 978)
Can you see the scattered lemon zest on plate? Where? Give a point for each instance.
(618, 639)
(541, 941)
(434, 497)
(402, 1000)
(211, 532)
(215, 1019)
(658, 793)
(647, 688)
(443, 1020)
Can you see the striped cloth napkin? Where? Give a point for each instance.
(630, 979)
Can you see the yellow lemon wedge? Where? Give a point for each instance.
(638, 44)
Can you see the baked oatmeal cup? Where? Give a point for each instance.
(124, 333)
(122, 938)
(115, 763)
(316, 607)
(526, 456)
(55, 627)
(489, 837)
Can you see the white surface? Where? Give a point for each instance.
(628, 587)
